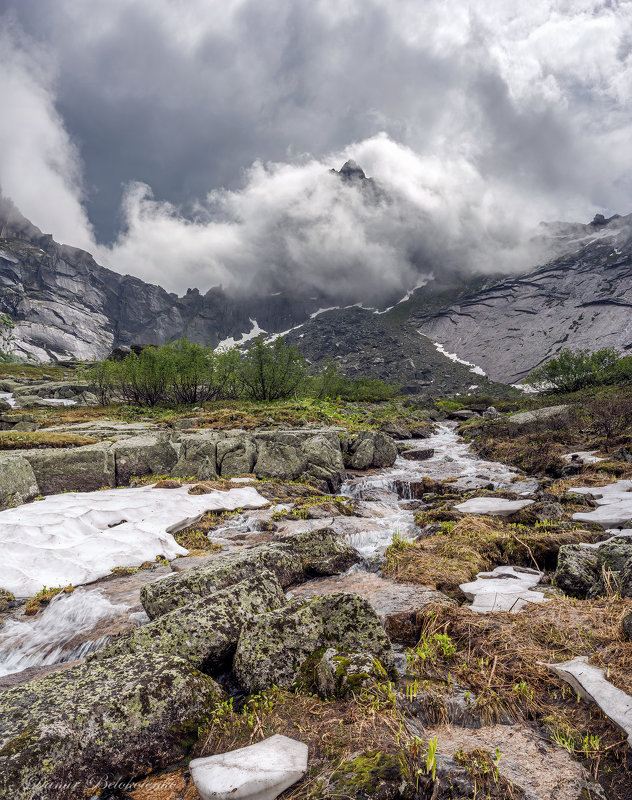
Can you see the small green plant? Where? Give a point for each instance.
(431, 758)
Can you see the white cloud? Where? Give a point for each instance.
(39, 165)
(494, 116)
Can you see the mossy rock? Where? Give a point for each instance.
(292, 560)
(205, 632)
(339, 673)
(373, 775)
(273, 647)
(121, 718)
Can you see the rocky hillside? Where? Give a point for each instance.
(57, 302)
(579, 300)
(363, 342)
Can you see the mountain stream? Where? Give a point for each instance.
(75, 624)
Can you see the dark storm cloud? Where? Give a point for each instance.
(495, 117)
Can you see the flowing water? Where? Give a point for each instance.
(76, 624)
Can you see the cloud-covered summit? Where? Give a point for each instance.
(191, 143)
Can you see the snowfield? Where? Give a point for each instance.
(79, 537)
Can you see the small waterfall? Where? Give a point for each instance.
(54, 637)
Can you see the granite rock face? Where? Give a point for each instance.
(580, 300)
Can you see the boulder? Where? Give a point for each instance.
(370, 449)
(143, 455)
(622, 454)
(293, 560)
(198, 456)
(17, 481)
(463, 414)
(258, 772)
(83, 469)
(206, 631)
(324, 461)
(277, 460)
(111, 721)
(235, 456)
(539, 415)
(419, 454)
(395, 430)
(340, 673)
(576, 571)
(4, 406)
(274, 646)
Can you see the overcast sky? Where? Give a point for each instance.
(189, 141)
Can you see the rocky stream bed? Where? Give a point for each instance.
(132, 670)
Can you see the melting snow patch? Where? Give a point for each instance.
(259, 772)
(8, 398)
(494, 506)
(590, 683)
(503, 589)
(583, 457)
(79, 537)
(58, 401)
(614, 504)
(453, 357)
(226, 344)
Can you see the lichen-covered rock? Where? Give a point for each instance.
(278, 460)
(292, 560)
(198, 456)
(113, 721)
(143, 455)
(339, 673)
(395, 430)
(17, 481)
(205, 632)
(82, 469)
(371, 449)
(576, 571)
(273, 647)
(235, 456)
(324, 461)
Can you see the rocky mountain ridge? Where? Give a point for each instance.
(580, 300)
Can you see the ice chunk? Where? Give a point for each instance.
(258, 772)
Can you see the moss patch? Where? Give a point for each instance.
(22, 440)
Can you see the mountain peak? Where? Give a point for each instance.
(351, 171)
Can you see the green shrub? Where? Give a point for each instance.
(571, 371)
(272, 371)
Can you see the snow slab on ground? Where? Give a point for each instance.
(258, 772)
(589, 681)
(494, 506)
(503, 589)
(614, 504)
(81, 536)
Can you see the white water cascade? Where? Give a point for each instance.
(55, 635)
